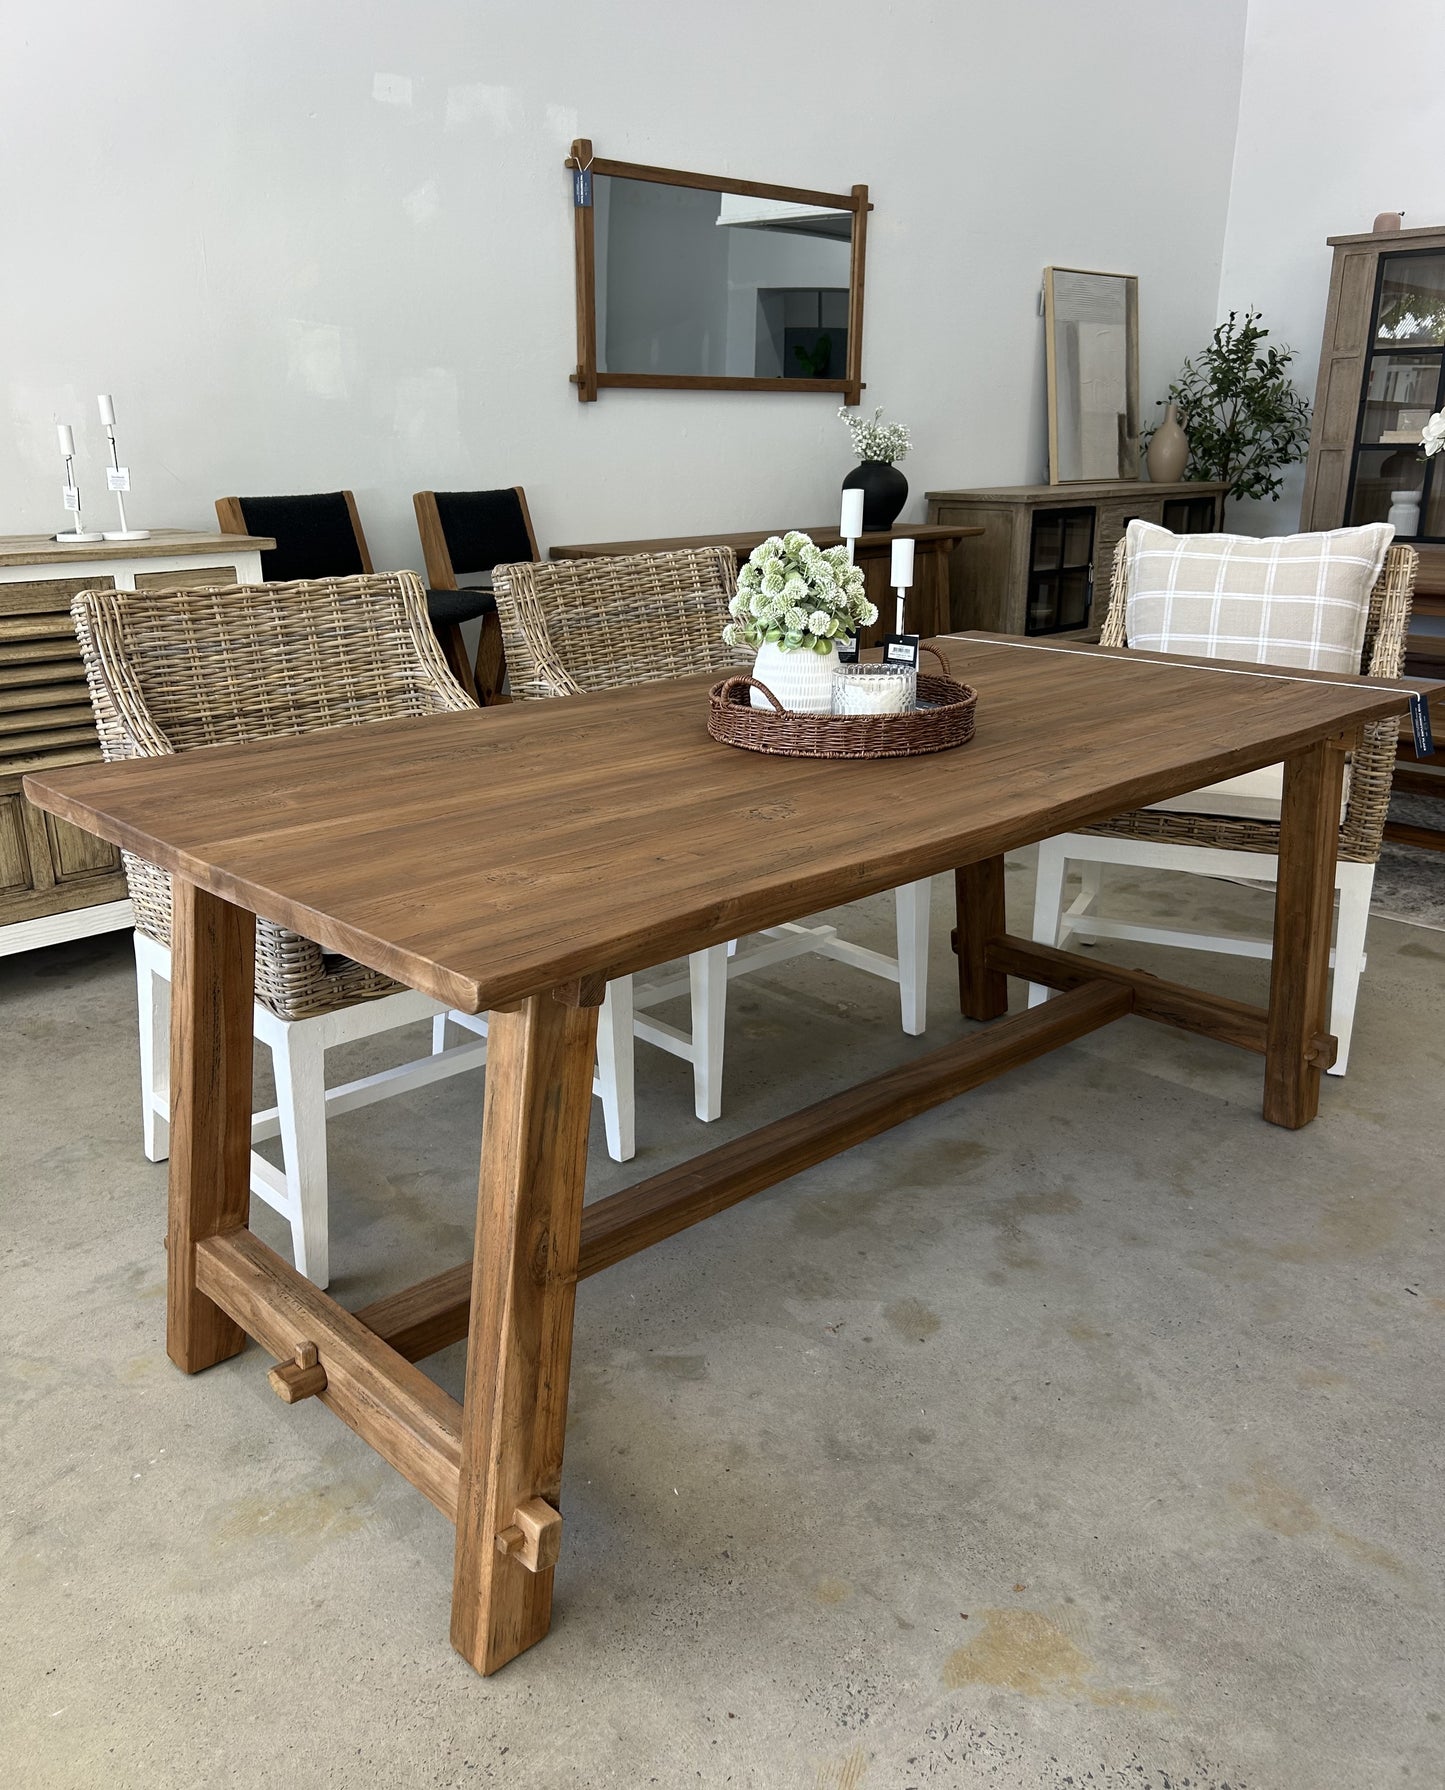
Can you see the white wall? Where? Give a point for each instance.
(1340, 118)
(331, 243)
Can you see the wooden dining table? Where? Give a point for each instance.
(620, 835)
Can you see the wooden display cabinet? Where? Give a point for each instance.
(1046, 548)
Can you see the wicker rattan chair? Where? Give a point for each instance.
(1211, 841)
(573, 626)
(173, 670)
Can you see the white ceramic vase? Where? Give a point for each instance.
(1405, 513)
(801, 680)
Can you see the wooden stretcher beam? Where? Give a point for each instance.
(375, 1391)
(433, 1314)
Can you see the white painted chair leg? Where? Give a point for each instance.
(614, 1070)
(1048, 905)
(1355, 884)
(153, 998)
(438, 1034)
(707, 974)
(300, 1065)
(912, 904)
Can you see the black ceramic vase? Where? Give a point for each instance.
(885, 491)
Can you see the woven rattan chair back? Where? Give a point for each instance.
(1372, 765)
(577, 625)
(172, 670)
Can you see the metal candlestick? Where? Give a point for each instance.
(118, 479)
(72, 503)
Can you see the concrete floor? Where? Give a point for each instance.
(1085, 1432)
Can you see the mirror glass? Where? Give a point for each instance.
(718, 285)
(1092, 326)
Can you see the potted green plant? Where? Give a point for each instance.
(879, 446)
(795, 601)
(1246, 420)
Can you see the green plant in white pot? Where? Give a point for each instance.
(794, 603)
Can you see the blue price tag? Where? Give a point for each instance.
(581, 186)
(1420, 725)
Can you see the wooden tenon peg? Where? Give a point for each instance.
(298, 1379)
(534, 1535)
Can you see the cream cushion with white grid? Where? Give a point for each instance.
(1284, 600)
(1300, 600)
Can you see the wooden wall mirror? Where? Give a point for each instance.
(1091, 332)
(693, 282)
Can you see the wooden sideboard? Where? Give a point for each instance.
(57, 882)
(927, 611)
(1046, 548)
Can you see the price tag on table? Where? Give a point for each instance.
(901, 649)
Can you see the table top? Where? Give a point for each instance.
(745, 540)
(486, 855)
(42, 550)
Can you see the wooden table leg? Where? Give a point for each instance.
(529, 1221)
(1295, 1054)
(213, 950)
(978, 889)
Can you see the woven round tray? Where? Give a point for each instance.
(947, 721)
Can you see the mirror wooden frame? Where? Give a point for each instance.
(590, 382)
(1131, 375)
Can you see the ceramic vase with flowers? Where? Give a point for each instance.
(879, 446)
(795, 601)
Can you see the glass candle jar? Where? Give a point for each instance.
(870, 689)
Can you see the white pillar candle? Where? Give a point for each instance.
(901, 577)
(67, 440)
(852, 524)
(107, 409)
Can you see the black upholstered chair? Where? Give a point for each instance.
(464, 534)
(319, 535)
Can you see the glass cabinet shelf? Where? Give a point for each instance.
(1390, 478)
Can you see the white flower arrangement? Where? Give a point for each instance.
(873, 439)
(1432, 436)
(799, 597)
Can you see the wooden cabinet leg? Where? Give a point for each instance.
(982, 992)
(213, 950)
(1295, 1054)
(529, 1219)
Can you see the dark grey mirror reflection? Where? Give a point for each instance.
(697, 283)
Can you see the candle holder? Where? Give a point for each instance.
(874, 689)
(118, 478)
(70, 491)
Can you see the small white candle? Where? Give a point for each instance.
(901, 576)
(67, 440)
(107, 409)
(852, 524)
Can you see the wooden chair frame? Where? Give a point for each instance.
(484, 680)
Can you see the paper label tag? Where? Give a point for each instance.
(902, 649)
(848, 652)
(117, 478)
(581, 186)
(1420, 725)
(71, 496)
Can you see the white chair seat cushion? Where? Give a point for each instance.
(1256, 795)
(1298, 600)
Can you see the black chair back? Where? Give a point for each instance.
(316, 536)
(485, 529)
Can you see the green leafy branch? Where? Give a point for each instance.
(1245, 418)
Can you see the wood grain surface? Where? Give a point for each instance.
(619, 835)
